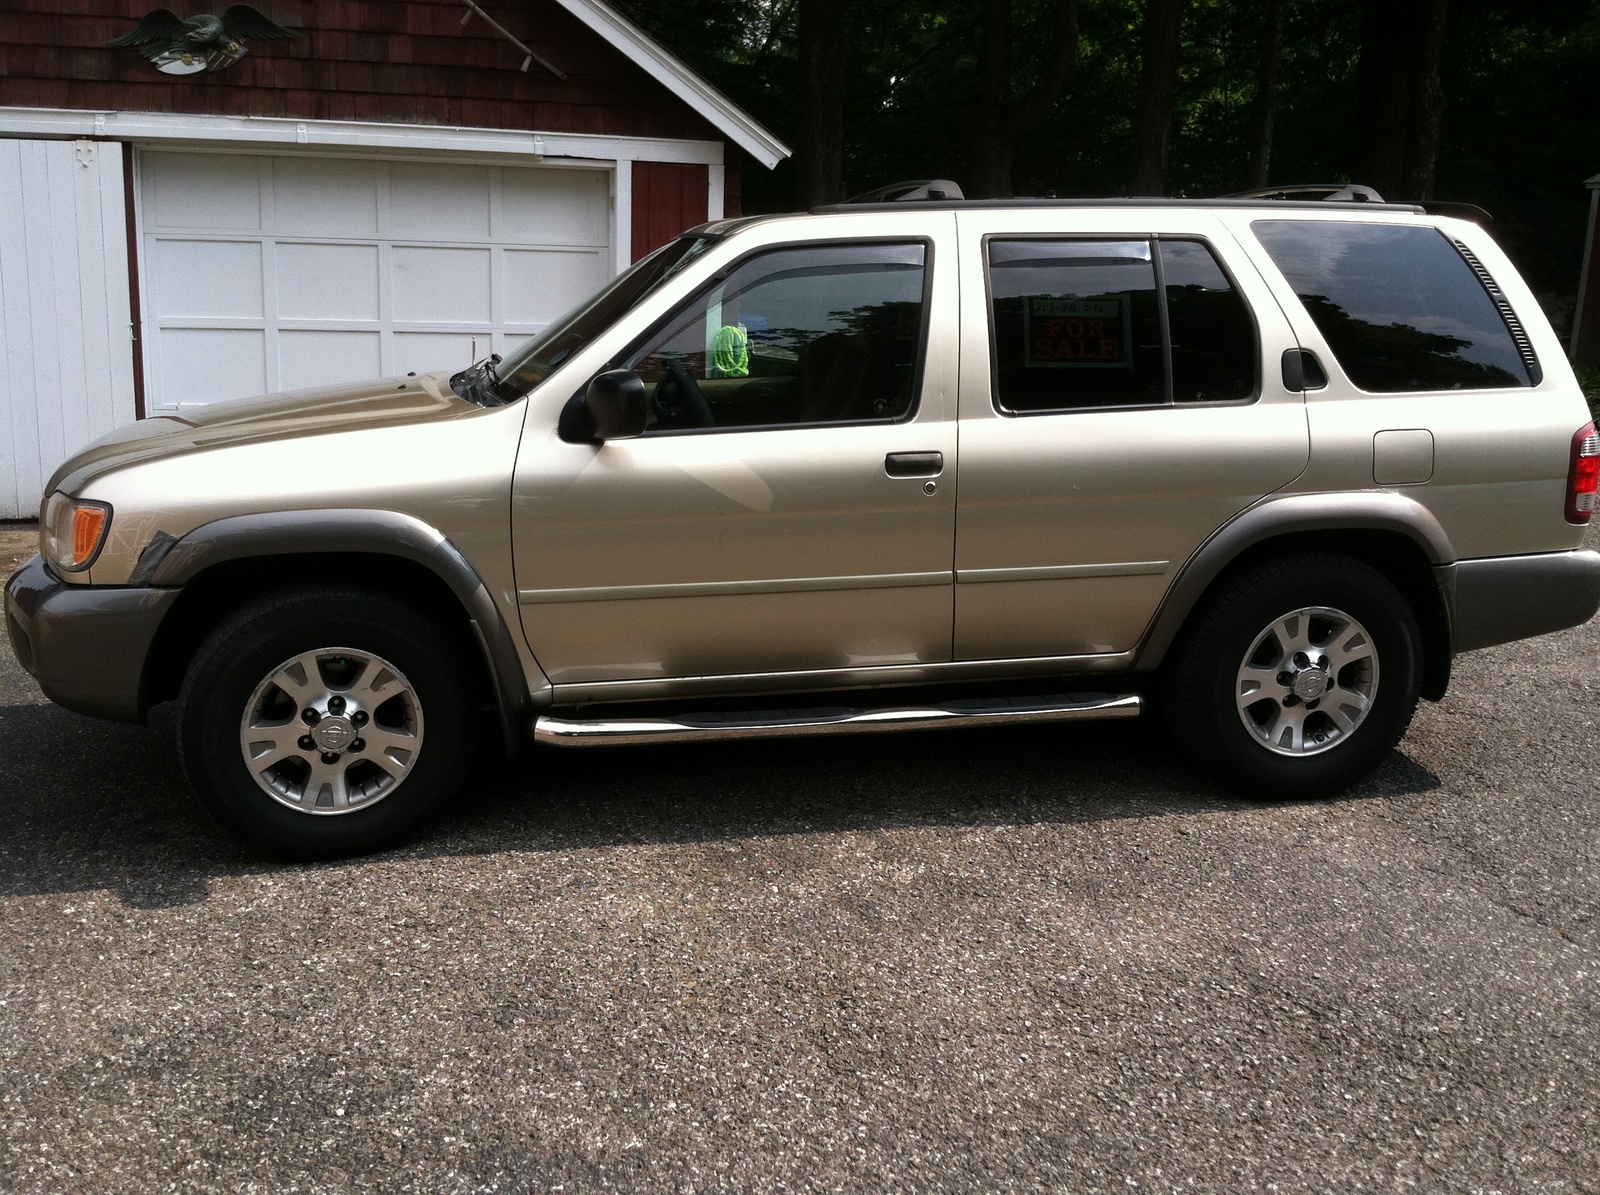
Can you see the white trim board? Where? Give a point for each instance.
(66, 369)
(647, 53)
(346, 135)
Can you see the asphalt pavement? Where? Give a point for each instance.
(1037, 959)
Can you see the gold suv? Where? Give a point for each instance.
(1263, 465)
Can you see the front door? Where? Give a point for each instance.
(789, 507)
(1121, 399)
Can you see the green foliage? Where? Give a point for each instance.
(1521, 84)
(1589, 379)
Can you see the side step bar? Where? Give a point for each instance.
(763, 724)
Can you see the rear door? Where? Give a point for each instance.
(1121, 398)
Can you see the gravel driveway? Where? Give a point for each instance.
(1035, 959)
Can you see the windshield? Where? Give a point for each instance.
(540, 356)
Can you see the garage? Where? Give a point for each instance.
(376, 189)
(275, 272)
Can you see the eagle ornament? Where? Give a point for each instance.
(204, 43)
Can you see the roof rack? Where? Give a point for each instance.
(1330, 192)
(1360, 193)
(922, 188)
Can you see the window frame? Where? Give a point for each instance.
(1154, 239)
(722, 274)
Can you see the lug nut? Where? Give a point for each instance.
(310, 716)
(307, 743)
(329, 757)
(359, 718)
(336, 705)
(358, 745)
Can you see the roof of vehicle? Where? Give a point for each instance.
(731, 225)
(1310, 205)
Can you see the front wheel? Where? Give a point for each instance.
(326, 721)
(1296, 678)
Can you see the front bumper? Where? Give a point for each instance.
(85, 645)
(1501, 598)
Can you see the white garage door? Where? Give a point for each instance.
(274, 272)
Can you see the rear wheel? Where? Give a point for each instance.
(1296, 678)
(327, 721)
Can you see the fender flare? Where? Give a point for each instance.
(172, 563)
(1295, 513)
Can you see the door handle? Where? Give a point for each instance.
(914, 464)
(1302, 371)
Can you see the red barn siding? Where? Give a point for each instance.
(667, 198)
(356, 59)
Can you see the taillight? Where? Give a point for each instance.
(1584, 475)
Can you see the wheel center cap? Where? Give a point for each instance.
(333, 734)
(1311, 684)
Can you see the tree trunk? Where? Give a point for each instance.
(1158, 93)
(1384, 81)
(1003, 120)
(1401, 100)
(1266, 105)
(819, 149)
(991, 145)
(1427, 103)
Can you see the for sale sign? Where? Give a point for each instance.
(1077, 332)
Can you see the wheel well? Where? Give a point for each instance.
(1394, 554)
(215, 593)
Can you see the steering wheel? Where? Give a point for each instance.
(678, 396)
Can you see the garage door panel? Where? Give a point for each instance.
(327, 282)
(554, 207)
(438, 285)
(211, 364)
(326, 197)
(436, 202)
(420, 352)
(298, 270)
(314, 358)
(540, 283)
(209, 279)
(220, 191)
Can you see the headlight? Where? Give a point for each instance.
(72, 530)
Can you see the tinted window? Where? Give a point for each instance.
(1076, 324)
(1398, 305)
(1213, 336)
(825, 334)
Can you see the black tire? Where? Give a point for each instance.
(234, 664)
(1204, 677)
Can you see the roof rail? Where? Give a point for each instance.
(922, 188)
(1332, 192)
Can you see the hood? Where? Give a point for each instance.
(318, 411)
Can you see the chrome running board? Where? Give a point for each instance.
(762, 724)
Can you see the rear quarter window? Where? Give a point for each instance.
(1399, 306)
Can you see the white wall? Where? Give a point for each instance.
(66, 360)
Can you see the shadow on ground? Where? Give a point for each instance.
(93, 805)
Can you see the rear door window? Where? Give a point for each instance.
(1081, 323)
(1400, 306)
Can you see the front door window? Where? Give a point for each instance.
(805, 336)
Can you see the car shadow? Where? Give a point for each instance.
(89, 805)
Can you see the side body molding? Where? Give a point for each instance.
(1287, 515)
(171, 562)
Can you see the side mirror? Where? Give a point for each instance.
(615, 404)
